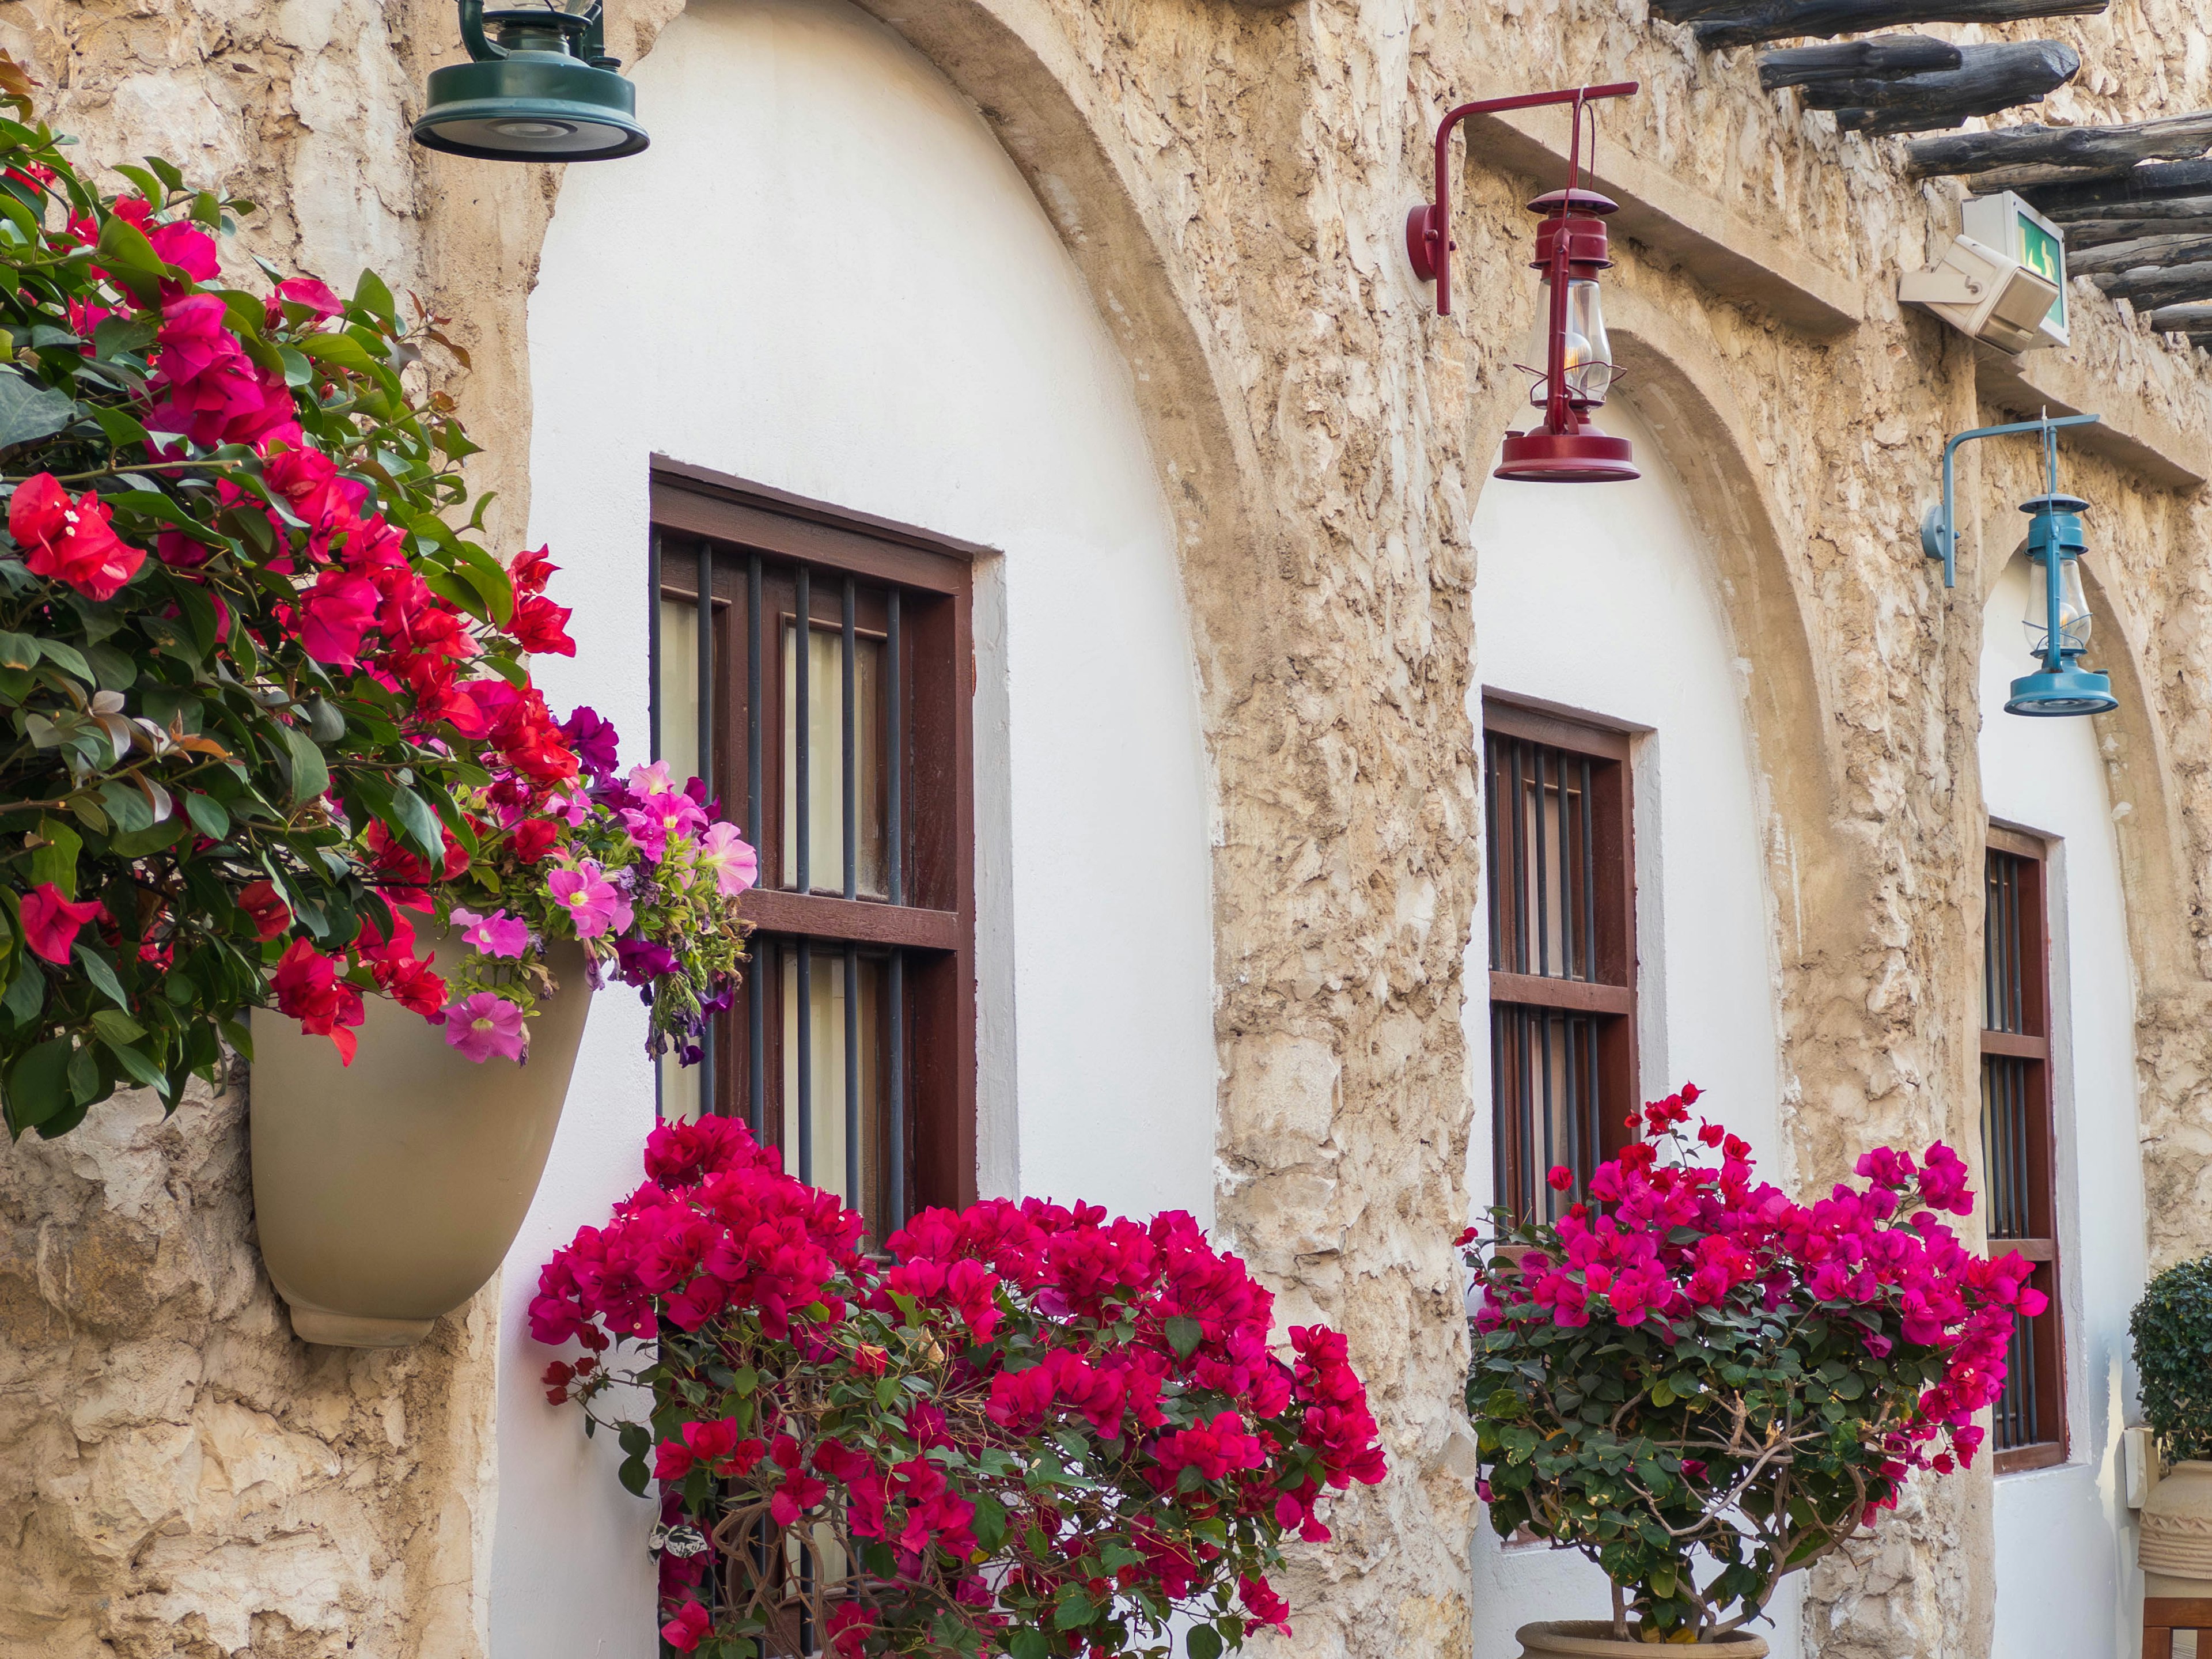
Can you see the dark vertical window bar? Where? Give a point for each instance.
(709, 1100)
(1589, 887)
(895, 852)
(853, 1189)
(755, 1002)
(848, 650)
(1543, 894)
(802, 646)
(804, 992)
(652, 643)
(1520, 880)
(895, 1179)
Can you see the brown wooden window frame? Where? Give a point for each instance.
(909, 593)
(2030, 1428)
(1590, 996)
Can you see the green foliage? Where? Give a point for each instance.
(170, 746)
(2173, 1330)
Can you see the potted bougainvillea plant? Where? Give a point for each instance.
(2171, 1329)
(275, 748)
(1702, 1385)
(1021, 1430)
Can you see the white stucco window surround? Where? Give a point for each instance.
(1601, 599)
(2066, 1582)
(826, 278)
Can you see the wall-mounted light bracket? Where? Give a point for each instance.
(1428, 228)
(1939, 531)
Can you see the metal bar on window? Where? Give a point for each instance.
(1572, 1035)
(708, 1099)
(802, 664)
(1593, 1125)
(853, 1195)
(757, 1037)
(806, 994)
(1520, 864)
(1493, 848)
(895, 739)
(653, 644)
(1501, 1092)
(1543, 895)
(753, 700)
(1590, 885)
(851, 825)
(898, 1087)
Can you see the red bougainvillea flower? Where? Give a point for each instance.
(541, 626)
(269, 913)
(72, 541)
(50, 921)
(309, 990)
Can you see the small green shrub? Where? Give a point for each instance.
(2173, 1330)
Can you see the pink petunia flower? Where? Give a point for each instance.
(591, 902)
(483, 1026)
(497, 934)
(725, 853)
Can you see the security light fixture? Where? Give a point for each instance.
(1569, 340)
(2002, 281)
(2057, 620)
(538, 87)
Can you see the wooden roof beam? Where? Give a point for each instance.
(1990, 79)
(1720, 23)
(2070, 148)
(1884, 58)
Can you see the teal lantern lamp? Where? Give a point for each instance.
(2057, 619)
(539, 87)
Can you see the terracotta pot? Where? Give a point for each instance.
(2175, 1544)
(386, 1192)
(1593, 1638)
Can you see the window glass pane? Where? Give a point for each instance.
(1542, 856)
(679, 686)
(825, 766)
(822, 1100)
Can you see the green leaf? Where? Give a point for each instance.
(143, 1072)
(415, 819)
(129, 259)
(112, 1027)
(129, 810)
(1204, 1642)
(341, 351)
(28, 410)
(101, 973)
(1029, 1642)
(55, 862)
(309, 773)
(1073, 1610)
(67, 657)
(18, 650)
(120, 427)
(26, 992)
(207, 815)
(118, 335)
(372, 296)
(1184, 1334)
(38, 1085)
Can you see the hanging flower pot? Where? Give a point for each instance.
(388, 1191)
(1594, 1639)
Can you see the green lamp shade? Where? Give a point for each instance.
(2068, 691)
(531, 106)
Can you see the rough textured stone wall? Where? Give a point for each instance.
(177, 1474)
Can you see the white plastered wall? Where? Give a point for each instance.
(825, 277)
(2065, 1547)
(1600, 597)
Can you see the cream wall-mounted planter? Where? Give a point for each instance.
(2175, 1544)
(386, 1192)
(1586, 1638)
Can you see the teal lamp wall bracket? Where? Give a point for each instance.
(1939, 527)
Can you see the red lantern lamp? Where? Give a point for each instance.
(1569, 340)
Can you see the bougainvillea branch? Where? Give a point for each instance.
(1026, 1430)
(1687, 1371)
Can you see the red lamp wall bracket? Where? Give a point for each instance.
(1428, 228)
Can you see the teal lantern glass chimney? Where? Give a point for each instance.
(539, 87)
(2057, 619)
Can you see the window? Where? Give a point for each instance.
(2017, 1142)
(1562, 948)
(824, 691)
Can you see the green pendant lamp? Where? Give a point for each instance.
(538, 87)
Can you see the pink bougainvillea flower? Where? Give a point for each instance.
(688, 1628)
(204, 385)
(309, 990)
(334, 615)
(50, 921)
(483, 1026)
(72, 541)
(497, 934)
(591, 902)
(308, 293)
(725, 855)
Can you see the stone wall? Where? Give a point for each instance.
(177, 1474)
